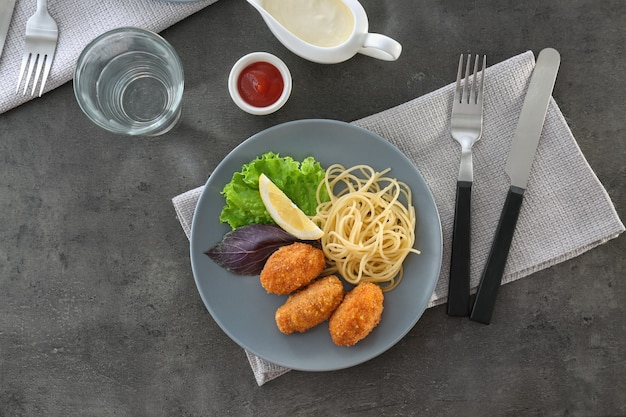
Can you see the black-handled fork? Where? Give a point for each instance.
(466, 127)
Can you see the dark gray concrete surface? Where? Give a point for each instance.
(99, 314)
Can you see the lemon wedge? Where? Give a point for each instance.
(285, 213)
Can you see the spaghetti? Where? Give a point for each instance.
(368, 224)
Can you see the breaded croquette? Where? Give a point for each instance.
(357, 315)
(292, 267)
(310, 306)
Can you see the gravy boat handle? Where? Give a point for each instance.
(380, 46)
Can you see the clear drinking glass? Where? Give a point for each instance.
(130, 81)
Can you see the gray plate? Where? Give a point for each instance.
(245, 311)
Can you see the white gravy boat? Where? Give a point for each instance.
(355, 39)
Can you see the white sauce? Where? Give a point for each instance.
(319, 22)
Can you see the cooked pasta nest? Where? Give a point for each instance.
(368, 224)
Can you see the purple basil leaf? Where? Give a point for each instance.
(244, 250)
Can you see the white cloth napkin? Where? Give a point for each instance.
(555, 223)
(79, 22)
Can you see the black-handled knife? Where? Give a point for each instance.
(519, 163)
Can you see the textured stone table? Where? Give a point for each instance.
(99, 313)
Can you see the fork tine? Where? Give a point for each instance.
(46, 71)
(466, 86)
(31, 65)
(22, 68)
(482, 80)
(474, 90)
(457, 92)
(40, 60)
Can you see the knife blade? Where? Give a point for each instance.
(518, 166)
(6, 12)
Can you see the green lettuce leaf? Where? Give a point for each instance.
(298, 180)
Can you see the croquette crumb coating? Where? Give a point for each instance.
(357, 315)
(292, 267)
(310, 306)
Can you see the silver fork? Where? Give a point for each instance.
(41, 43)
(466, 126)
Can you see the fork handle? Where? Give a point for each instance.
(492, 274)
(459, 281)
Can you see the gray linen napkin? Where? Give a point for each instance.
(550, 229)
(79, 22)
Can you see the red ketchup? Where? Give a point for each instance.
(260, 84)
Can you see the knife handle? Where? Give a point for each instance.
(459, 281)
(492, 274)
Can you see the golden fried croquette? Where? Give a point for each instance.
(357, 315)
(292, 267)
(310, 306)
